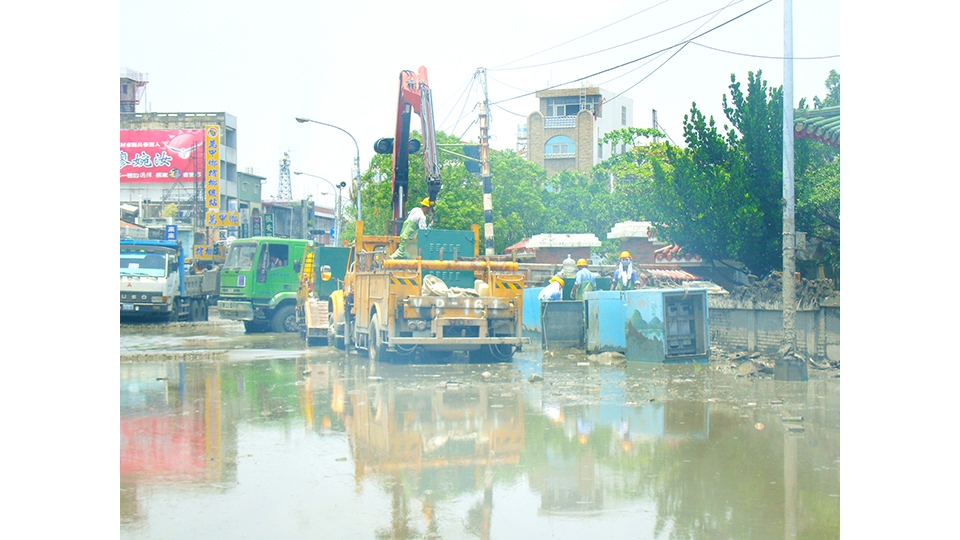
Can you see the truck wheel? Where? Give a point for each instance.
(252, 327)
(376, 350)
(285, 320)
(196, 311)
(174, 314)
(204, 311)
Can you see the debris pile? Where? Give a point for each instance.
(767, 293)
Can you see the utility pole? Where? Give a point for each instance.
(788, 366)
(485, 168)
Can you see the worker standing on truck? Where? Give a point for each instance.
(553, 290)
(585, 282)
(416, 220)
(626, 277)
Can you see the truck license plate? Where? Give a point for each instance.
(126, 307)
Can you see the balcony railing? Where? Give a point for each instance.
(559, 122)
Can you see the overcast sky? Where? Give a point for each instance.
(340, 62)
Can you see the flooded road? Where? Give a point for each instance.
(225, 435)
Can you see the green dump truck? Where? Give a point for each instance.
(259, 281)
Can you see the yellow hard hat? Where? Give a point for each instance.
(557, 279)
(582, 262)
(625, 255)
(426, 202)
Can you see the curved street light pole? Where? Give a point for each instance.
(338, 222)
(356, 163)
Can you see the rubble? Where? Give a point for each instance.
(767, 293)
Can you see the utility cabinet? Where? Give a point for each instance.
(563, 324)
(649, 325)
(447, 245)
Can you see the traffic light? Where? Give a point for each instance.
(472, 151)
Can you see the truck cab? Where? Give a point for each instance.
(154, 282)
(259, 281)
(149, 278)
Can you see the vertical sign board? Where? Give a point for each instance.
(211, 157)
(256, 226)
(170, 233)
(268, 224)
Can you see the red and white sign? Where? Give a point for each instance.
(165, 155)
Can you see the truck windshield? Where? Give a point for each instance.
(143, 264)
(240, 257)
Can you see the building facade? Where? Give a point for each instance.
(565, 133)
(161, 164)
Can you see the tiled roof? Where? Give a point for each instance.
(129, 225)
(674, 253)
(520, 247)
(671, 273)
(819, 124)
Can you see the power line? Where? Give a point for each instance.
(578, 37)
(467, 86)
(767, 57)
(668, 59)
(682, 43)
(510, 112)
(714, 12)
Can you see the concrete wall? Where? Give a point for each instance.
(758, 330)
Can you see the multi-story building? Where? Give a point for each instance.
(162, 164)
(565, 133)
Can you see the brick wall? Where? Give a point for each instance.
(753, 330)
(556, 255)
(641, 249)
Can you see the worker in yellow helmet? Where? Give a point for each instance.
(585, 282)
(553, 290)
(416, 220)
(626, 277)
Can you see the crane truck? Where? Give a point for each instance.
(394, 308)
(155, 283)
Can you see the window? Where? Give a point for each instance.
(623, 115)
(240, 257)
(559, 146)
(136, 263)
(600, 151)
(570, 105)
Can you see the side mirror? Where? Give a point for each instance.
(325, 273)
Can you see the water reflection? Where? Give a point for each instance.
(467, 451)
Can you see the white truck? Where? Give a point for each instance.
(155, 283)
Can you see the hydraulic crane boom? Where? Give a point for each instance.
(415, 96)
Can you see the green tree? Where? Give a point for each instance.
(817, 185)
(721, 195)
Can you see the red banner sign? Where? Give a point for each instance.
(165, 155)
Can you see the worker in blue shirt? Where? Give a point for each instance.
(585, 281)
(553, 290)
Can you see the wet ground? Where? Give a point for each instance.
(227, 435)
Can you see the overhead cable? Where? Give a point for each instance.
(682, 43)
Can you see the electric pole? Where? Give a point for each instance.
(788, 366)
(485, 168)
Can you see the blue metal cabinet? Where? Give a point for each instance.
(531, 310)
(649, 325)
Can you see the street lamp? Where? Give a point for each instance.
(338, 221)
(356, 163)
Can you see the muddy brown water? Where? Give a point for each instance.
(228, 435)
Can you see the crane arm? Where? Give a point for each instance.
(414, 97)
